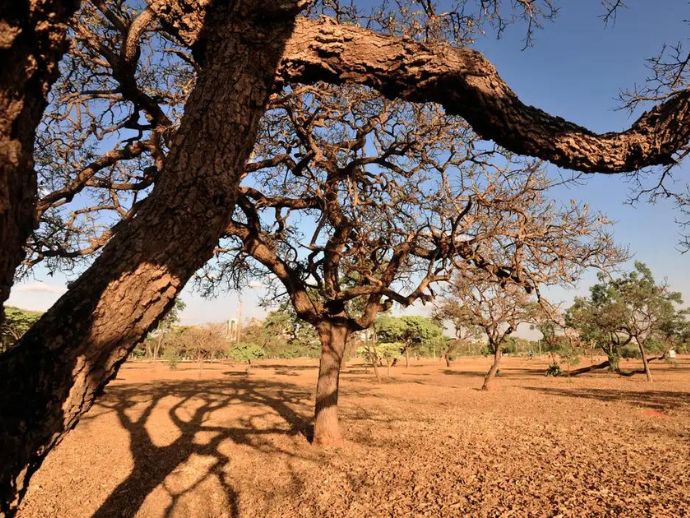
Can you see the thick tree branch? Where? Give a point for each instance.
(467, 84)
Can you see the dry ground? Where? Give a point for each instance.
(215, 442)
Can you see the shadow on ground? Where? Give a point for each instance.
(654, 399)
(284, 407)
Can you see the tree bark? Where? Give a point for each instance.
(494, 368)
(59, 367)
(467, 84)
(376, 371)
(333, 338)
(407, 357)
(590, 368)
(645, 362)
(32, 41)
(446, 357)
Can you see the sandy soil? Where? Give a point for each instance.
(215, 442)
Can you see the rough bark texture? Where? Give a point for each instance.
(333, 339)
(32, 41)
(492, 371)
(467, 84)
(53, 375)
(645, 362)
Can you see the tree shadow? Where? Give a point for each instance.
(199, 432)
(655, 399)
(465, 374)
(260, 366)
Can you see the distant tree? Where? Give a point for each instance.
(632, 307)
(409, 331)
(245, 352)
(555, 339)
(287, 335)
(17, 322)
(158, 336)
(450, 311)
(493, 309)
(384, 352)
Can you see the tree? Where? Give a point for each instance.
(55, 371)
(632, 307)
(493, 309)
(395, 197)
(17, 322)
(32, 43)
(176, 200)
(410, 331)
(555, 338)
(451, 312)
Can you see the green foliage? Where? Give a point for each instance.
(629, 352)
(382, 352)
(17, 322)
(423, 335)
(284, 335)
(632, 308)
(245, 352)
(172, 318)
(172, 356)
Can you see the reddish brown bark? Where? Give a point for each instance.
(55, 372)
(467, 84)
(333, 339)
(32, 41)
(494, 368)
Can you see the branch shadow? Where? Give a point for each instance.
(662, 400)
(192, 415)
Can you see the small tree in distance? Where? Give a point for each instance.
(409, 331)
(630, 308)
(156, 339)
(17, 322)
(494, 310)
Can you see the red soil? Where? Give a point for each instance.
(215, 442)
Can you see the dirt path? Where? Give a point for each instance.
(217, 442)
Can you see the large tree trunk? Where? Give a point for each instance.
(645, 362)
(333, 339)
(494, 368)
(58, 368)
(32, 41)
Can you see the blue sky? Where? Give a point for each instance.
(575, 69)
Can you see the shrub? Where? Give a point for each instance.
(554, 370)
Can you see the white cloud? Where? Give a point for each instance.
(40, 287)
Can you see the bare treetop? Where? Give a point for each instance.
(355, 201)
